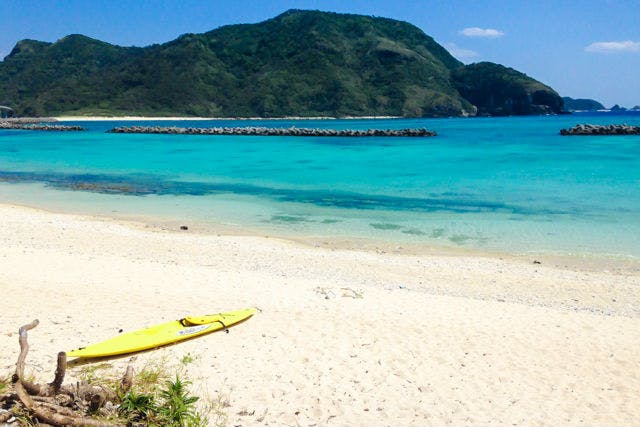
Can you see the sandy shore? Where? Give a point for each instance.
(122, 118)
(138, 118)
(342, 337)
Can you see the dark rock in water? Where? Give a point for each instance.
(265, 131)
(588, 129)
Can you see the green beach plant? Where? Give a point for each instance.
(137, 406)
(178, 405)
(171, 406)
(97, 374)
(4, 384)
(187, 358)
(150, 376)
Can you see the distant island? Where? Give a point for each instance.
(571, 104)
(300, 63)
(618, 108)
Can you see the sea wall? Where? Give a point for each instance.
(9, 124)
(268, 131)
(588, 129)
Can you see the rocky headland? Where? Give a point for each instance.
(581, 104)
(269, 131)
(589, 129)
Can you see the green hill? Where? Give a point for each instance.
(498, 91)
(571, 104)
(300, 63)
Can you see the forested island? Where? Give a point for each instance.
(300, 63)
(581, 104)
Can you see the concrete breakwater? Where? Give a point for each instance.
(588, 129)
(25, 120)
(267, 131)
(37, 126)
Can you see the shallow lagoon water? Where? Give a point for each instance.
(500, 184)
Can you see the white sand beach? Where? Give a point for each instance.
(342, 337)
(139, 118)
(122, 118)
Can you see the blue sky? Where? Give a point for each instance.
(587, 48)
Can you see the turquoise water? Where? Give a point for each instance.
(502, 184)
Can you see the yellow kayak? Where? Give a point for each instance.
(165, 333)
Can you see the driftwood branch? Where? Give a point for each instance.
(51, 403)
(55, 386)
(31, 388)
(61, 369)
(127, 380)
(52, 414)
(24, 348)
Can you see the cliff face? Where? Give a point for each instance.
(305, 63)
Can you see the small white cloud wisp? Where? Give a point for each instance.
(462, 54)
(481, 32)
(613, 47)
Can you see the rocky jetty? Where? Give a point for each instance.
(12, 124)
(25, 120)
(588, 129)
(267, 131)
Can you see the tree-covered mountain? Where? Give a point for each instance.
(571, 104)
(300, 63)
(499, 91)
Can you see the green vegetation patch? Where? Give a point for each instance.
(170, 405)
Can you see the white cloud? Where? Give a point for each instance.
(461, 53)
(481, 32)
(614, 47)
